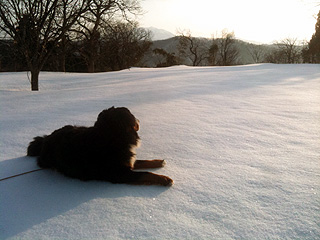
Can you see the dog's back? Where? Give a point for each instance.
(63, 146)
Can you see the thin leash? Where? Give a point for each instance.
(6, 178)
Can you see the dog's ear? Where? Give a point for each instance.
(104, 117)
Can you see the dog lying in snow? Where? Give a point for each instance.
(104, 151)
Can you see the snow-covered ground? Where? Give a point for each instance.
(242, 145)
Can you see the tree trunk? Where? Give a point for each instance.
(91, 66)
(63, 54)
(63, 63)
(35, 79)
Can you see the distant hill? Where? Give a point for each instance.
(159, 34)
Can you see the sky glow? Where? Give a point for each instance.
(251, 20)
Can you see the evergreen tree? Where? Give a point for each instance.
(169, 58)
(311, 53)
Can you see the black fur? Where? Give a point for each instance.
(102, 152)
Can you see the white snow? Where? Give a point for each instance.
(241, 143)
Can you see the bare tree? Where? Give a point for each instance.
(100, 13)
(37, 26)
(192, 48)
(212, 53)
(227, 51)
(123, 44)
(289, 50)
(256, 52)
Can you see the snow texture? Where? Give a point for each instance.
(242, 144)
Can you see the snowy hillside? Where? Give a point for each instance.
(159, 34)
(241, 143)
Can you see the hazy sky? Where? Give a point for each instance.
(263, 21)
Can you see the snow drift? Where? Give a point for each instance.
(241, 143)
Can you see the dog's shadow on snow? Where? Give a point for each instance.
(33, 198)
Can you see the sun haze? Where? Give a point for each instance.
(251, 20)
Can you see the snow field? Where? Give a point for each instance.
(241, 143)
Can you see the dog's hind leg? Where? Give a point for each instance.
(143, 164)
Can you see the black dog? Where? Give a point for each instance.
(102, 152)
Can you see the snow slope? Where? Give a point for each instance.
(241, 143)
(159, 34)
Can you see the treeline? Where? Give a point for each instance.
(102, 35)
(189, 50)
(120, 45)
(116, 46)
(70, 34)
(289, 52)
(226, 50)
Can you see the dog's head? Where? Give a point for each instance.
(118, 120)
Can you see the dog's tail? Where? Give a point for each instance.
(35, 147)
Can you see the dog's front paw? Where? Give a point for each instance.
(163, 163)
(166, 181)
(159, 162)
